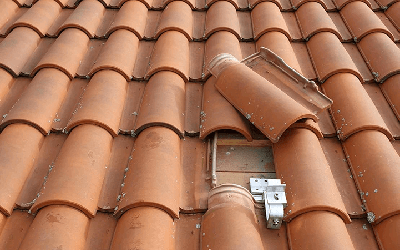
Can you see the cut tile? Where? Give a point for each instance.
(154, 175)
(221, 16)
(40, 17)
(16, 49)
(310, 185)
(171, 53)
(199, 19)
(362, 235)
(272, 239)
(102, 103)
(86, 17)
(66, 53)
(176, 16)
(69, 105)
(120, 156)
(217, 113)
(362, 21)
(280, 45)
(387, 233)
(15, 229)
(242, 179)
(132, 17)
(392, 14)
(57, 226)
(19, 147)
(196, 63)
(77, 176)
(326, 229)
(194, 94)
(163, 103)
(100, 232)
(146, 228)
(195, 187)
(390, 89)
(352, 109)
(330, 57)
(374, 164)
(131, 107)
(313, 19)
(381, 55)
(341, 173)
(187, 234)
(220, 231)
(40, 101)
(325, 124)
(246, 32)
(266, 17)
(383, 107)
(118, 54)
(41, 168)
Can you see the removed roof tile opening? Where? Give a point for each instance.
(272, 95)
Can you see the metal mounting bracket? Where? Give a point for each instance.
(271, 192)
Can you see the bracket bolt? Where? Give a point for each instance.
(276, 196)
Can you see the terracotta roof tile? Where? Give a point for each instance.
(109, 108)
(70, 184)
(354, 113)
(154, 173)
(102, 103)
(312, 174)
(50, 87)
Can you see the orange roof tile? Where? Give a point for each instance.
(109, 109)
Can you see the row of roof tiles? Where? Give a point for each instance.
(285, 5)
(199, 25)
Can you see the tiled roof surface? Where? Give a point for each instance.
(108, 113)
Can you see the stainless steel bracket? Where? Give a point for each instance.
(271, 192)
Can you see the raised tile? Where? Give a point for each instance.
(69, 105)
(176, 16)
(40, 101)
(362, 21)
(222, 16)
(387, 233)
(154, 175)
(131, 107)
(171, 53)
(19, 147)
(100, 232)
(313, 19)
(194, 94)
(217, 113)
(102, 103)
(40, 17)
(392, 14)
(132, 16)
(329, 56)
(16, 49)
(220, 231)
(195, 187)
(66, 53)
(120, 156)
(15, 229)
(310, 185)
(326, 230)
(163, 103)
(118, 54)
(55, 226)
(374, 164)
(381, 55)
(341, 173)
(266, 17)
(41, 168)
(383, 107)
(390, 89)
(86, 17)
(144, 227)
(77, 176)
(352, 109)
